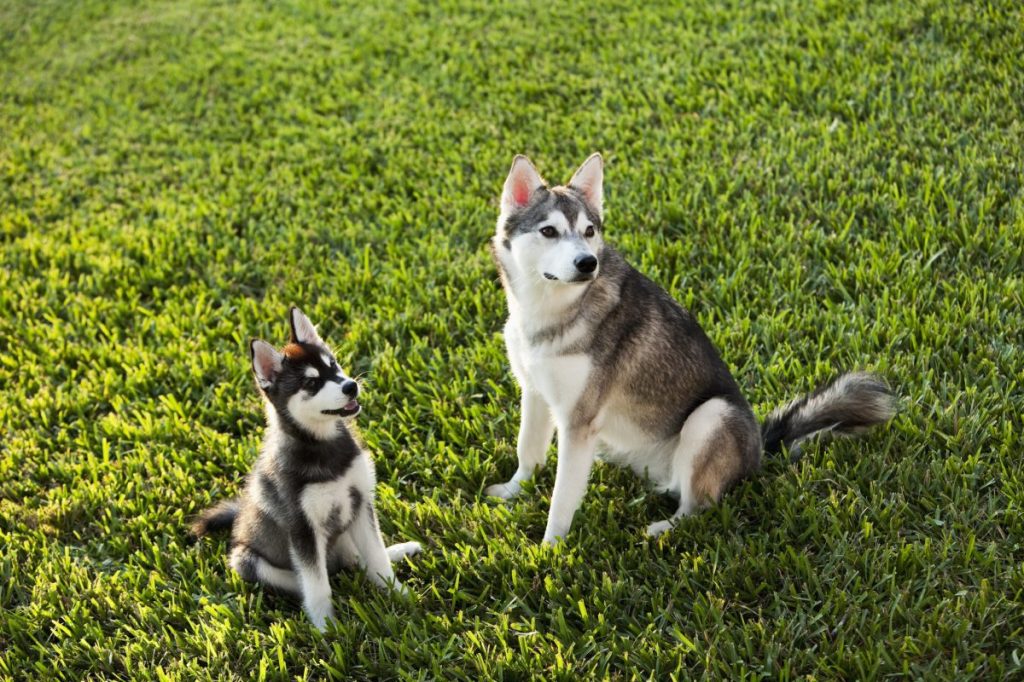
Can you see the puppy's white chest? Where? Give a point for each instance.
(330, 503)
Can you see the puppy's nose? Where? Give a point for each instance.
(586, 263)
(350, 388)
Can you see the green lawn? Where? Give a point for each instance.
(827, 185)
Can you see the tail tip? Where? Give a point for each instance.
(850, 404)
(873, 396)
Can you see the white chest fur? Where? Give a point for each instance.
(329, 503)
(333, 503)
(560, 379)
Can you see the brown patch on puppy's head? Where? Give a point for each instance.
(295, 352)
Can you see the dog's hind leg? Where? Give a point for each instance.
(536, 427)
(344, 551)
(713, 453)
(253, 567)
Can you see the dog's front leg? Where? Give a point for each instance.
(309, 557)
(575, 458)
(535, 430)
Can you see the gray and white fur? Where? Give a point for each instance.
(308, 505)
(610, 361)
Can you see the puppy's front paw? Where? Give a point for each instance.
(400, 550)
(320, 615)
(505, 491)
(659, 527)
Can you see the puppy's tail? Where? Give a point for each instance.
(220, 516)
(848, 404)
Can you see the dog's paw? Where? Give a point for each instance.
(659, 527)
(553, 537)
(400, 550)
(321, 615)
(505, 491)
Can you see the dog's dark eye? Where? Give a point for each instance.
(310, 383)
(549, 231)
(589, 231)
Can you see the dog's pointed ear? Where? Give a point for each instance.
(522, 181)
(303, 330)
(266, 362)
(589, 181)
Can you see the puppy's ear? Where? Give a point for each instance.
(303, 330)
(522, 181)
(266, 362)
(589, 181)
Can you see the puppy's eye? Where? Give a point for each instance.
(310, 383)
(549, 231)
(589, 231)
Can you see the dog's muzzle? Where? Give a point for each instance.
(349, 409)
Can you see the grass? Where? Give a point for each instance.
(826, 184)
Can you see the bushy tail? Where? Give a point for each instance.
(848, 404)
(221, 516)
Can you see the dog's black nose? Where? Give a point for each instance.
(350, 388)
(586, 263)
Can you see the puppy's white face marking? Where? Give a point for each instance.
(308, 410)
(310, 406)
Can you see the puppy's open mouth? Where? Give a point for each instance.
(348, 410)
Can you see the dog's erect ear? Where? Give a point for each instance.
(266, 362)
(589, 180)
(522, 181)
(303, 330)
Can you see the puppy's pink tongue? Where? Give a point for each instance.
(353, 404)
